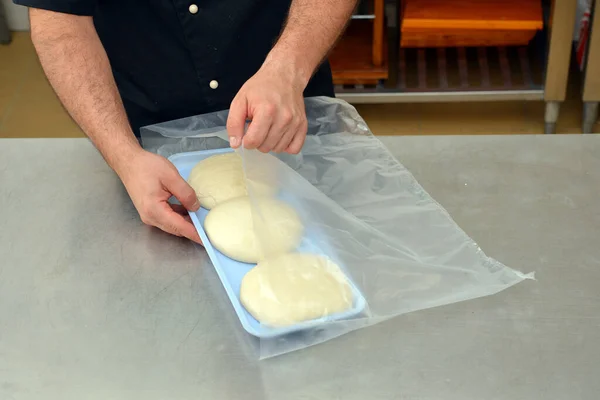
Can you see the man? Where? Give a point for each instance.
(117, 65)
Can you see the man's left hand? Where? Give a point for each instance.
(273, 101)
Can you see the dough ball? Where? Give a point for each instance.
(293, 288)
(220, 178)
(247, 231)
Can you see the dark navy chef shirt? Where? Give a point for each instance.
(165, 54)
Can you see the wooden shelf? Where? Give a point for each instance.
(352, 59)
(470, 23)
(359, 58)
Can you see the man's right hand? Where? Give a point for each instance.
(150, 181)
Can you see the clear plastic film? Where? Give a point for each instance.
(373, 243)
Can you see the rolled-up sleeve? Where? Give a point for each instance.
(75, 7)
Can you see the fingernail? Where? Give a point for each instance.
(234, 141)
(196, 205)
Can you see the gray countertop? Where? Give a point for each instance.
(93, 305)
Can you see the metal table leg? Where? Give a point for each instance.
(4, 32)
(552, 111)
(590, 116)
(562, 23)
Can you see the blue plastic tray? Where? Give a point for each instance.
(231, 272)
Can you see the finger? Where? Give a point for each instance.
(169, 221)
(182, 191)
(280, 127)
(179, 209)
(285, 141)
(236, 121)
(259, 127)
(298, 140)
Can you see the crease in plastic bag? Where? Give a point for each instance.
(397, 249)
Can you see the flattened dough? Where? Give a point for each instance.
(248, 231)
(219, 178)
(293, 288)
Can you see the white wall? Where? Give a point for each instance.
(16, 16)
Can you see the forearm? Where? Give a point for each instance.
(311, 30)
(79, 71)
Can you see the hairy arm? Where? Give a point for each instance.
(78, 69)
(273, 98)
(311, 30)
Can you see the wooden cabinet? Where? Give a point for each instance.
(360, 55)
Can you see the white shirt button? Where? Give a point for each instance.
(193, 9)
(213, 84)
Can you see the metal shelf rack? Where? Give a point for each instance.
(538, 72)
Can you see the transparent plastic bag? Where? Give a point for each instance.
(397, 249)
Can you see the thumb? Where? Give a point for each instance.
(183, 192)
(236, 121)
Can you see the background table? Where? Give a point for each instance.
(93, 305)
